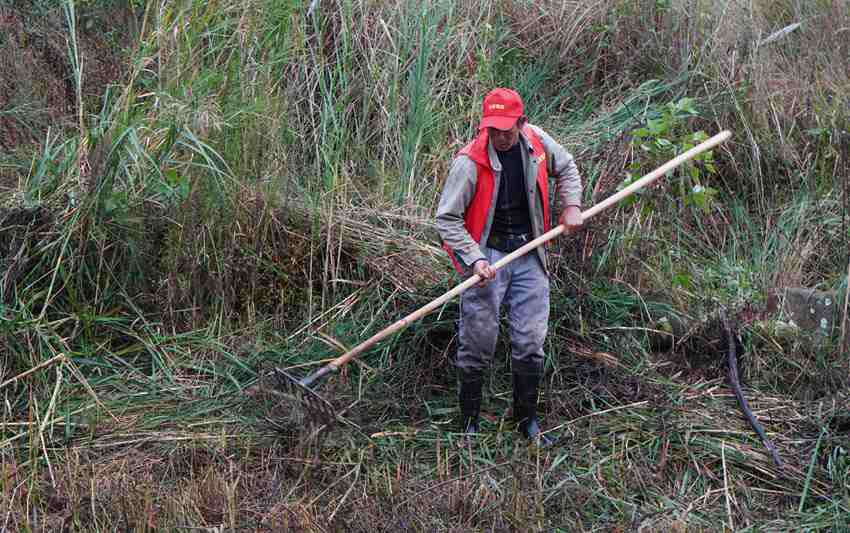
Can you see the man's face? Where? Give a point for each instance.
(504, 140)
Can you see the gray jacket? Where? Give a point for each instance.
(460, 188)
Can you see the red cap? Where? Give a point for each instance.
(502, 107)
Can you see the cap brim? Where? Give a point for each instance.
(500, 123)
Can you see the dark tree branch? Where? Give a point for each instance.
(732, 360)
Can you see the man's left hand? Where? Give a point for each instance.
(571, 219)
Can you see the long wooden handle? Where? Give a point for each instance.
(549, 235)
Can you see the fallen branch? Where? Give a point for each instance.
(732, 361)
(845, 319)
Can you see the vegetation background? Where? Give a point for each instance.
(195, 191)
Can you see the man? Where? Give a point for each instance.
(495, 199)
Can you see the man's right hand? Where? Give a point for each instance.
(482, 268)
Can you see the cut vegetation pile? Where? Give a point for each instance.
(254, 186)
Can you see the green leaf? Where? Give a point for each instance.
(682, 280)
(693, 172)
(657, 126)
(183, 189)
(685, 106)
(171, 177)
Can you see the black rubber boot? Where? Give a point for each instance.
(470, 402)
(526, 384)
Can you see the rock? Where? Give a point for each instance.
(809, 310)
(665, 331)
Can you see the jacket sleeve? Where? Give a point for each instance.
(456, 196)
(563, 167)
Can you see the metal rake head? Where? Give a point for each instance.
(317, 409)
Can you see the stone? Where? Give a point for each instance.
(810, 310)
(665, 331)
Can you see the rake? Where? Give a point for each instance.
(319, 409)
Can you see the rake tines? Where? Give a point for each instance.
(317, 409)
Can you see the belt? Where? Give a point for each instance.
(507, 243)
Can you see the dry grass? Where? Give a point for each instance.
(667, 454)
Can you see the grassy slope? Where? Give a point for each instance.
(260, 186)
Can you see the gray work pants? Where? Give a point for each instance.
(523, 287)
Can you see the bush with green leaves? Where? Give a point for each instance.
(665, 136)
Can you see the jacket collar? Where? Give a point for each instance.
(482, 151)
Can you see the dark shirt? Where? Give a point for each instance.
(511, 216)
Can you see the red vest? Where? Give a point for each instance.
(475, 217)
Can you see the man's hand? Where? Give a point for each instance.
(571, 219)
(483, 269)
